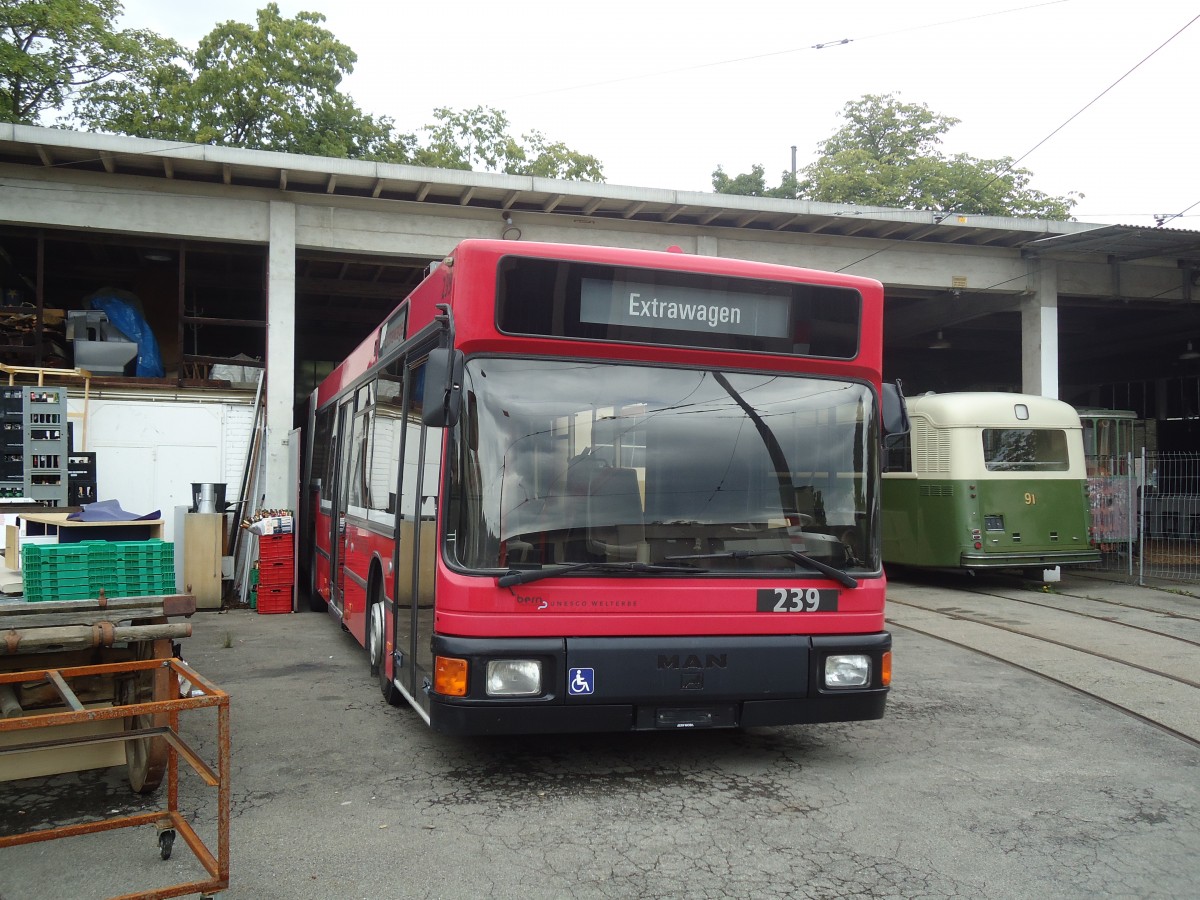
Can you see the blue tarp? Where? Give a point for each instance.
(108, 511)
(126, 319)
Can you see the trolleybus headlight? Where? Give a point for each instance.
(847, 671)
(514, 677)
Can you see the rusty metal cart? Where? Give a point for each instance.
(144, 727)
(94, 674)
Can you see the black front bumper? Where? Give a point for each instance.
(655, 684)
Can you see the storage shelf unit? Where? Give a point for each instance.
(45, 444)
(12, 441)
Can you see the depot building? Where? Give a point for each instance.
(256, 272)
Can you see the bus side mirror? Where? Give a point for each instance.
(441, 398)
(895, 414)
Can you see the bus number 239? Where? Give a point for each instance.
(801, 600)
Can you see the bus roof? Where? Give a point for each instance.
(992, 409)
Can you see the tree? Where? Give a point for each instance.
(273, 85)
(479, 138)
(50, 49)
(887, 154)
(754, 184)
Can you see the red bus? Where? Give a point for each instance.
(568, 488)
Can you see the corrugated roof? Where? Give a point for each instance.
(1121, 243)
(114, 154)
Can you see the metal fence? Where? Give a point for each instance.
(1146, 515)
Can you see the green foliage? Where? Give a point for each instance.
(271, 85)
(754, 184)
(49, 49)
(887, 154)
(480, 138)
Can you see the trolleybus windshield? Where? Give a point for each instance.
(559, 463)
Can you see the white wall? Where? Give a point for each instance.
(149, 451)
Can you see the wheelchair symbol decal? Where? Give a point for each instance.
(581, 681)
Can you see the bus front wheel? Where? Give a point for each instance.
(377, 648)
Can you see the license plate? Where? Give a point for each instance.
(797, 600)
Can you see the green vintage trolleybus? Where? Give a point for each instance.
(987, 480)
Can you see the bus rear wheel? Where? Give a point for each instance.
(377, 648)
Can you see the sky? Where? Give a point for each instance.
(1094, 97)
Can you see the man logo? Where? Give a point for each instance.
(692, 661)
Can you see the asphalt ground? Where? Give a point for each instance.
(984, 779)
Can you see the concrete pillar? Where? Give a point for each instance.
(1039, 332)
(281, 354)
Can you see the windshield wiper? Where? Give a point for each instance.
(524, 576)
(795, 555)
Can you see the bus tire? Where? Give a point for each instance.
(376, 644)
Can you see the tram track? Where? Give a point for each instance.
(1069, 646)
(1047, 604)
(1120, 707)
(1130, 666)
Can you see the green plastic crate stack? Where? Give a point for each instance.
(81, 571)
(102, 562)
(144, 567)
(56, 572)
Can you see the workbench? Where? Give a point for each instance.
(88, 632)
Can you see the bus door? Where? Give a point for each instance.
(340, 493)
(416, 544)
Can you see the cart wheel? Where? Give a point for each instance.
(166, 840)
(146, 758)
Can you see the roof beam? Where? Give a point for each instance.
(283, 179)
(44, 156)
(423, 191)
(633, 210)
(110, 162)
(331, 184)
(466, 196)
(378, 188)
(549, 205)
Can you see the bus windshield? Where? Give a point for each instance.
(561, 462)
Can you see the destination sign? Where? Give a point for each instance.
(683, 308)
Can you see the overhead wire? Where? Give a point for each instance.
(824, 45)
(1010, 166)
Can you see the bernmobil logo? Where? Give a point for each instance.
(692, 661)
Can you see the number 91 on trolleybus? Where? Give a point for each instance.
(570, 488)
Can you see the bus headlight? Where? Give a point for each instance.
(848, 670)
(514, 677)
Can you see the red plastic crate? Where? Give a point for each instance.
(275, 547)
(277, 573)
(272, 600)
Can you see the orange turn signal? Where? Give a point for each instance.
(450, 676)
(885, 670)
